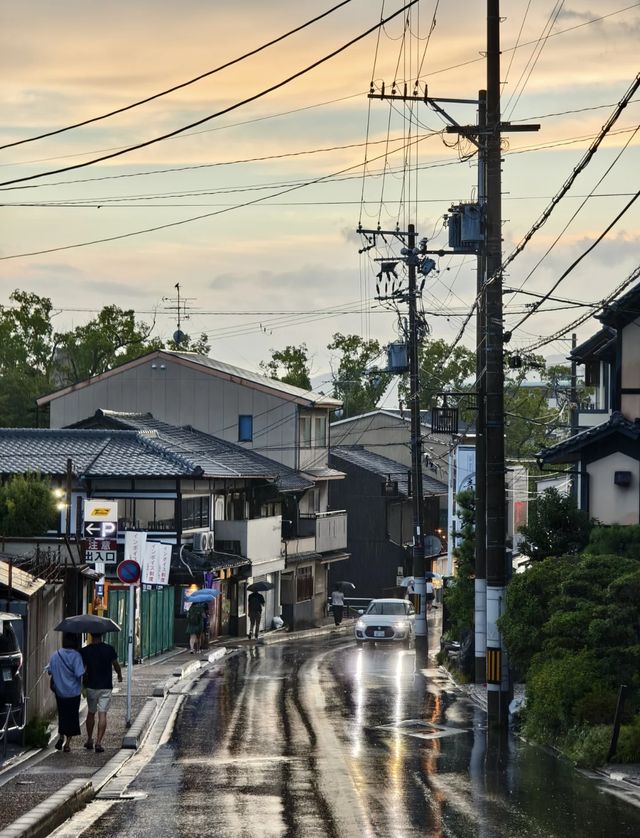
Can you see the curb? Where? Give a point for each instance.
(49, 814)
(282, 636)
(132, 737)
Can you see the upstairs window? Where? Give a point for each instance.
(320, 432)
(305, 432)
(245, 428)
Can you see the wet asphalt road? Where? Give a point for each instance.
(324, 739)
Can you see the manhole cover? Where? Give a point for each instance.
(421, 730)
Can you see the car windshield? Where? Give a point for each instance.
(393, 608)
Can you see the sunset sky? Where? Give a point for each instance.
(288, 260)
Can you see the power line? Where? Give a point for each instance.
(219, 113)
(180, 86)
(577, 261)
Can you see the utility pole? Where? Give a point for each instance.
(411, 255)
(573, 409)
(420, 588)
(498, 681)
(480, 583)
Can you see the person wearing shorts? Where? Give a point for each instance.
(99, 659)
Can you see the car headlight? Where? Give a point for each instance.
(401, 626)
(361, 625)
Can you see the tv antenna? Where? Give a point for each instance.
(180, 306)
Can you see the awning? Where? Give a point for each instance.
(297, 558)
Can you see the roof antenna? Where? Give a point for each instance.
(180, 307)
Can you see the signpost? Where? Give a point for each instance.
(100, 531)
(128, 572)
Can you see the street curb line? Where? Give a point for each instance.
(186, 669)
(132, 737)
(267, 640)
(49, 814)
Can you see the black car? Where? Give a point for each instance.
(11, 690)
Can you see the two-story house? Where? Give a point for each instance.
(282, 423)
(604, 458)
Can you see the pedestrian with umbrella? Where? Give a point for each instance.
(66, 669)
(99, 658)
(195, 626)
(255, 604)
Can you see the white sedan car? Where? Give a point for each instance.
(387, 620)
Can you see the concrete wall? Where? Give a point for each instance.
(180, 395)
(608, 503)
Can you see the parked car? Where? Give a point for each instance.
(387, 620)
(11, 690)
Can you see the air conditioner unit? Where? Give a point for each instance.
(202, 542)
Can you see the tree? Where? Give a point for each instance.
(34, 359)
(460, 596)
(289, 365)
(113, 337)
(27, 506)
(26, 353)
(556, 527)
(442, 368)
(200, 346)
(356, 381)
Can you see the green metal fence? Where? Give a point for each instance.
(154, 624)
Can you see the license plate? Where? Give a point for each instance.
(6, 674)
(378, 634)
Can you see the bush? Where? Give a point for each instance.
(628, 749)
(554, 687)
(36, 733)
(618, 540)
(588, 746)
(597, 707)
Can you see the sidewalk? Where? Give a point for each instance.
(52, 779)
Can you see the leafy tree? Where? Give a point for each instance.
(27, 506)
(556, 526)
(113, 337)
(356, 381)
(441, 369)
(289, 365)
(571, 626)
(26, 353)
(34, 359)
(460, 597)
(200, 345)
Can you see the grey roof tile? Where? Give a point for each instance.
(216, 457)
(359, 456)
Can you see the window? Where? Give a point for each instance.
(195, 512)
(146, 514)
(305, 431)
(387, 608)
(245, 428)
(320, 431)
(304, 584)
(270, 510)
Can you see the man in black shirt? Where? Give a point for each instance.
(99, 658)
(256, 602)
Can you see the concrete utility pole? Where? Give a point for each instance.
(480, 611)
(420, 588)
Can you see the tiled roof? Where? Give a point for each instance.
(622, 311)
(571, 447)
(384, 467)
(594, 345)
(216, 457)
(95, 453)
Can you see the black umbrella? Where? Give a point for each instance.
(345, 585)
(261, 586)
(87, 624)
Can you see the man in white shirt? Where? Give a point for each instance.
(337, 605)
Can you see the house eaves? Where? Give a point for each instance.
(570, 449)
